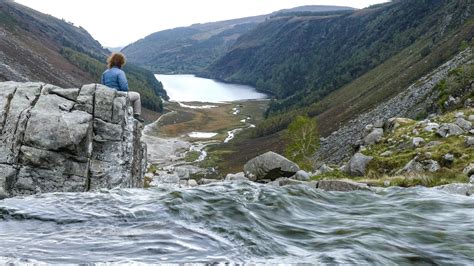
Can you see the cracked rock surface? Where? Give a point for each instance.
(69, 140)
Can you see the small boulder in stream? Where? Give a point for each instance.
(341, 185)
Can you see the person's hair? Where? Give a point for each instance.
(116, 60)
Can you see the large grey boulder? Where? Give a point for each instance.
(269, 166)
(449, 129)
(358, 164)
(55, 139)
(463, 123)
(417, 166)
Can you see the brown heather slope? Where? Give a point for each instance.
(31, 43)
(39, 47)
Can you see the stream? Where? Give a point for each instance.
(239, 222)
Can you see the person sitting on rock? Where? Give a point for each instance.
(115, 78)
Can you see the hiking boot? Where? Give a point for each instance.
(139, 118)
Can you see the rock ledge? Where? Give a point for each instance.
(71, 140)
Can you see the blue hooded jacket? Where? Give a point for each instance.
(115, 78)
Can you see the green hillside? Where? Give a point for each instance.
(192, 49)
(40, 47)
(300, 55)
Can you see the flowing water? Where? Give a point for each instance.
(239, 222)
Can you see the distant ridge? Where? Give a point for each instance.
(192, 49)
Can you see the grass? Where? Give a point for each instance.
(192, 156)
(219, 120)
(385, 170)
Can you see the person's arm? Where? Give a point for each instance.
(122, 80)
(102, 79)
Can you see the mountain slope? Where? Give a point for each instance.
(39, 47)
(191, 49)
(301, 59)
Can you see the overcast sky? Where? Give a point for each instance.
(121, 22)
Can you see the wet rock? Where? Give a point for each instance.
(206, 181)
(471, 118)
(269, 166)
(192, 183)
(61, 140)
(374, 137)
(358, 164)
(340, 185)
(461, 189)
(449, 129)
(471, 179)
(301, 176)
(283, 181)
(469, 142)
(464, 124)
(236, 177)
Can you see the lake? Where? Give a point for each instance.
(189, 88)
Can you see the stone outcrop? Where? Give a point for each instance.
(55, 139)
(457, 188)
(341, 185)
(269, 166)
(358, 164)
(326, 185)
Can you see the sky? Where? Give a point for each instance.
(120, 22)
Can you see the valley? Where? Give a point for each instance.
(312, 135)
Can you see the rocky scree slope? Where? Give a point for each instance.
(55, 139)
(416, 99)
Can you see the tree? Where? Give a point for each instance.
(303, 140)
